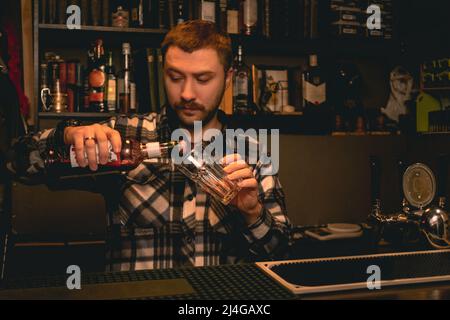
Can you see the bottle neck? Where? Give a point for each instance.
(240, 56)
(154, 150)
(313, 61)
(126, 51)
(98, 53)
(126, 64)
(110, 60)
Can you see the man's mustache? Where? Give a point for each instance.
(189, 105)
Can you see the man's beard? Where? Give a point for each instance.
(193, 105)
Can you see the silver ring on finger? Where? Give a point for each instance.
(86, 139)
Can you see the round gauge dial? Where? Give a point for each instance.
(419, 185)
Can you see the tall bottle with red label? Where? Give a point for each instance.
(97, 79)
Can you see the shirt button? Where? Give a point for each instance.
(189, 240)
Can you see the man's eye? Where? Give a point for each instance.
(204, 80)
(176, 79)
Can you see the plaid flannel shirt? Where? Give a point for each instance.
(160, 219)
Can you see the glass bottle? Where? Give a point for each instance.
(63, 162)
(242, 85)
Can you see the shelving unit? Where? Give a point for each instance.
(53, 36)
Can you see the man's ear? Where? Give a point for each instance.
(228, 77)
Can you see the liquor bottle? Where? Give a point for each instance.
(150, 14)
(249, 9)
(85, 91)
(71, 85)
(44, 85)
(84, 6)
(223, 15)
(242, 86)
(123, 81)
(192, 9)
(315, 99)
(106, 13)
(96, 12)
(133, 94)
(208, 10)
(172, 12)
(79, 92)
(111, 85)
(61, 15)
(53, 66)
(163, 14)
(52, 11)
(314, 85)
(181, 11)
(233, 17)
(120, 17)
(97, 79)
(44, 6)
(62, 162)
(137, 14)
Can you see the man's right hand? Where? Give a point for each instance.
(86, 138)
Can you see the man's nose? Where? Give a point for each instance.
(188, 93)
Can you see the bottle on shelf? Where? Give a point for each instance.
(63, 162)
(181, 11)
(208, 10)
(137, 14)
(222, 15)
(233, 17)
(315, 97)
(106, 13)
(133, 93)
(79, 92)
(111, 85)
(96, 12)
(44, 85)
(97, 79)
(120, 17)
(242, 85)
(73, 73)
(123, 80)
(249, 16)
(84, 106)
(314, 85)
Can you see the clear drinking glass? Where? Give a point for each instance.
(208, 174)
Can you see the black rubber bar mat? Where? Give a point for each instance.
(227, 282)
(335, 274)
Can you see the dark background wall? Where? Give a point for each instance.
(327, 179)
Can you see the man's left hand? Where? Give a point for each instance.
(247, 200)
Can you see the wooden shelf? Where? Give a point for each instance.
(101, 29)
(82, 38)
(74, 115)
